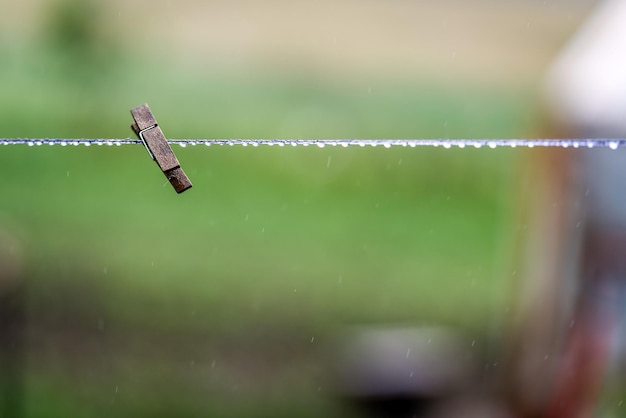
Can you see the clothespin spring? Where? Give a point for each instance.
(143, 140)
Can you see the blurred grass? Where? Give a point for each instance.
(286, 218)
(271, 244)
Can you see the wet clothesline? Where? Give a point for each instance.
(612, 143)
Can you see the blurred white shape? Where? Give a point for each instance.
(586, 87)
(427, 362)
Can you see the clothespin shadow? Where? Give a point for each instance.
(149, 132)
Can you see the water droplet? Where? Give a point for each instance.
(387, 145)
(63, 143)
(31, 143)
(613, 144)
(321, 144)
(461, 145)
(87, 143)
(492, 144)
(182, 144)
(477, 145)
(447, 145)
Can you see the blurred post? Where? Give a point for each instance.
(575, 267)
(11, 328)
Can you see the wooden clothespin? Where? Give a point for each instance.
(149, 132)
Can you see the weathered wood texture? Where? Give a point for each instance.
(146, 126)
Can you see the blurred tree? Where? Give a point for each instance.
(76, 33)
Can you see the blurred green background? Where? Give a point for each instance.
(225, 300)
